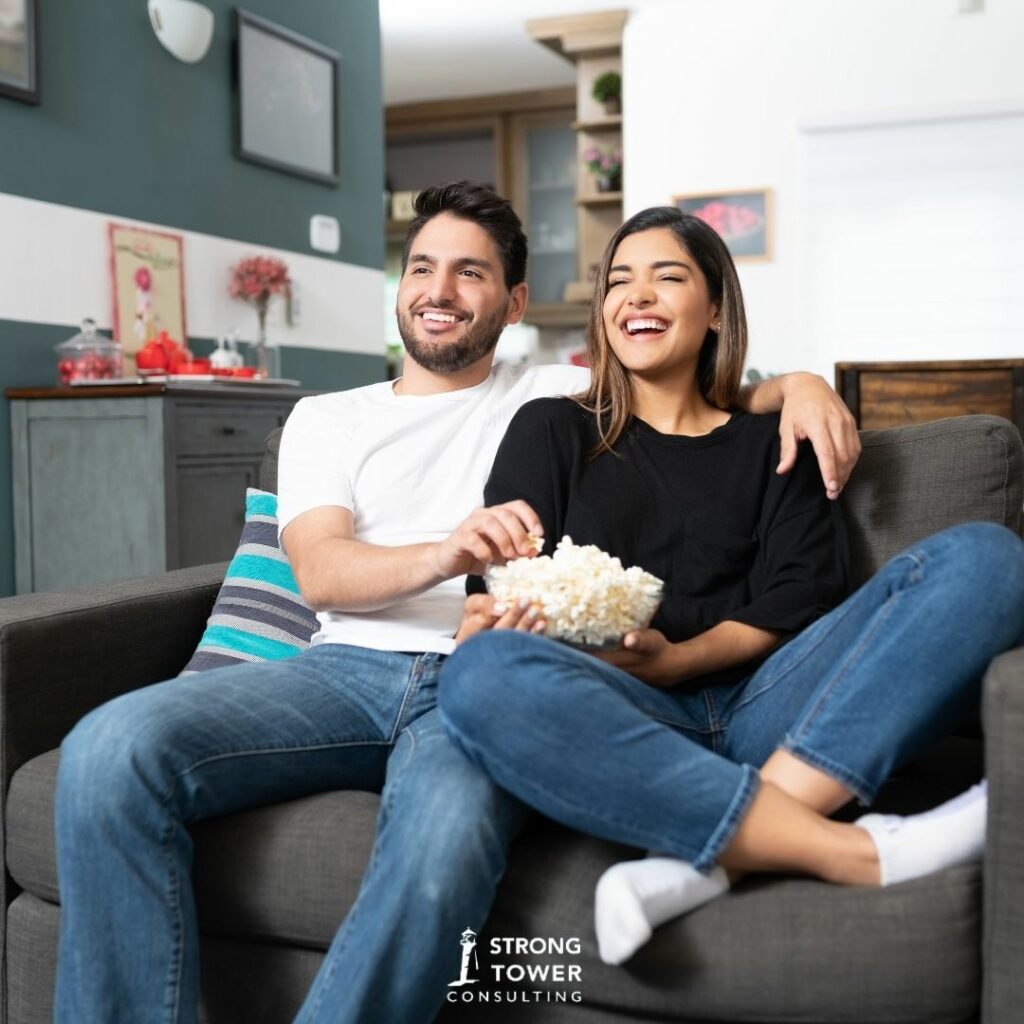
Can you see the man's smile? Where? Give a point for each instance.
(440, 321)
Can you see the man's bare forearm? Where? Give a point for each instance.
(351, 576)
(768, 395)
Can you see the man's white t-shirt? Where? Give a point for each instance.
(410, 468)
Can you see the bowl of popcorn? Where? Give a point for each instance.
(586, 596)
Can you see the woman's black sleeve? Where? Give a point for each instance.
(530, 467)
(802, 567)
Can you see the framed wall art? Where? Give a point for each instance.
(19, 49)
(287, 100)
(148, 285)
(743, 219)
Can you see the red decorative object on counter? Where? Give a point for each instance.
(88, 356)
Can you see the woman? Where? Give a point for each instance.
(727, 732)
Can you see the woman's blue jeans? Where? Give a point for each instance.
(135, 772)
(862, 690)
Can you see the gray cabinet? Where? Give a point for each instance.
(134, 482)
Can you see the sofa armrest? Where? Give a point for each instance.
(1003, 914)
(64, 653)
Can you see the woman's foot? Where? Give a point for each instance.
(634, 897)
(919, 844)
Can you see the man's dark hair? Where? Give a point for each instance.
(483, 206)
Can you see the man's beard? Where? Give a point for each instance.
(478, 340)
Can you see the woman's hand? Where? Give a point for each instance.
(648, 655)
(483, 612)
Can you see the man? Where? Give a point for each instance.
(379, 488)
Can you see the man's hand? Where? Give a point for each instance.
(648, 655)
(488, 536)
(812, 410)
(483, 612)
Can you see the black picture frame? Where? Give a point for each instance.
(24, 87)
(286, 107)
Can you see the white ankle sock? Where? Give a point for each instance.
(952, 833)
(634, 897)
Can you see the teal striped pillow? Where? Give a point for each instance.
(259, 614)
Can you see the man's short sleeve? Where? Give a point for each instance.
(311, 468)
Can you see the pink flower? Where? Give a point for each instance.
(143, 279)
(600, 161)
(256, 278)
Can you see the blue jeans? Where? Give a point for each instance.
(136, 771)
(863, 689)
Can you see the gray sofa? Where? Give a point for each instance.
(272, 884)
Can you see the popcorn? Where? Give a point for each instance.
(587, 598)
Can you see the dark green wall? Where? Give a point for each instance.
(125, 129)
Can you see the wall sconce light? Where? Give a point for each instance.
(184, 27)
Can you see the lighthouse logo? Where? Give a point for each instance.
(468, 944)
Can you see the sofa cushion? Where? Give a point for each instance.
(259, 614)
(288, 871)
(915, 480)
(772, 949)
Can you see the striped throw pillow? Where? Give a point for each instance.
(259, 614)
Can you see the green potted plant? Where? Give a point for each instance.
(607, 90)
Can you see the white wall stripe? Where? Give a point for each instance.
(54, 269)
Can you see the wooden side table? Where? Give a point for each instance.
(121, 481)
(893, 394)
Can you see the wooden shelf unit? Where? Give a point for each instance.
(593, 42)
(609, 123)
(601, 199)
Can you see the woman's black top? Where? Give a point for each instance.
(731, 538)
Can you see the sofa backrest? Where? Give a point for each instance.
(916, 480)
(910, 482)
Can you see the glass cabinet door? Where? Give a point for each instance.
(548, 196)
(542, 164)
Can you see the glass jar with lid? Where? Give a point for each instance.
(88, 356)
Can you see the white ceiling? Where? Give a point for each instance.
(439, 48)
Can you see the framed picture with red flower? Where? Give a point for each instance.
(147, 277)
(743, 219)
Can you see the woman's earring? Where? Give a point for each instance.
(716, 327)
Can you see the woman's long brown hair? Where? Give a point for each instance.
(723, 353)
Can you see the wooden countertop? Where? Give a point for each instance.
(149, 390)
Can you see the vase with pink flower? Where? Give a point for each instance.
(606, 166)
(258, 280)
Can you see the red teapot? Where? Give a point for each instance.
(162, 353)
(151, 357)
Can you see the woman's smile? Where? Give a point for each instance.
(644, 328)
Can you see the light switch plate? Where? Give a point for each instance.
(324, 233)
